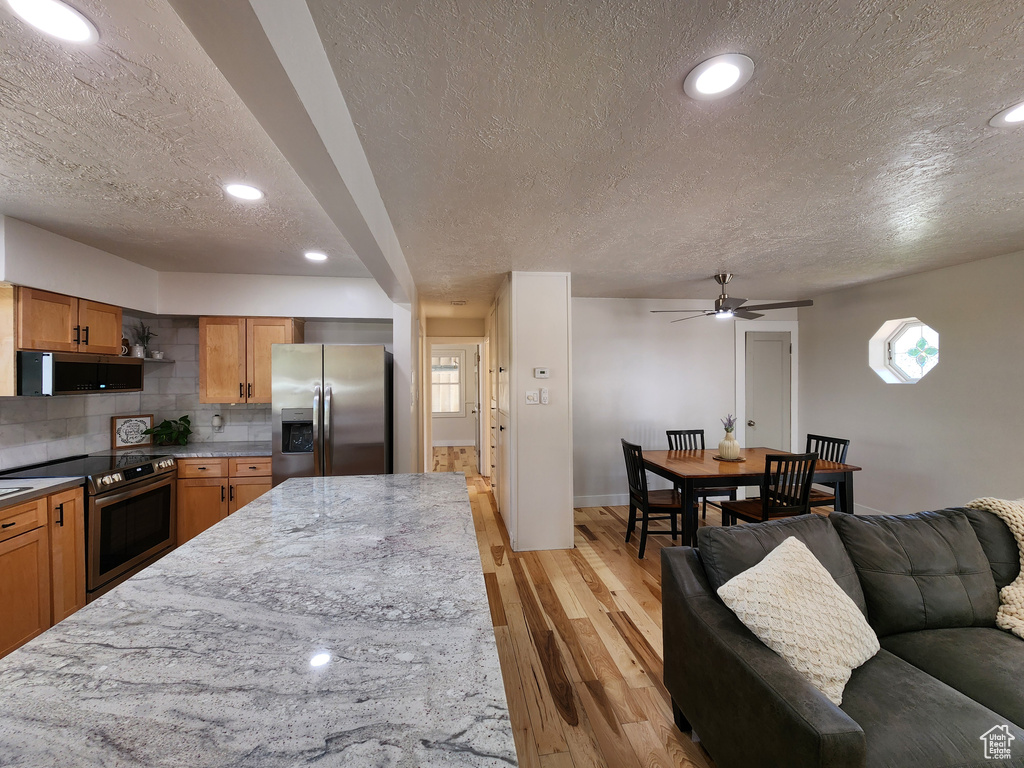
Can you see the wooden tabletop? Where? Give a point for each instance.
(702, 464)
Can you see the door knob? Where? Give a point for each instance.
(750, 422)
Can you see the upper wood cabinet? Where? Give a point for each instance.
(234, 356)
(54, 322)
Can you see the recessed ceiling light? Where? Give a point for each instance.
(718, 76)
(316, 256)
(56, 18)
(243, 191)
(1009, 117)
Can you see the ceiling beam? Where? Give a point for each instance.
(272, 56)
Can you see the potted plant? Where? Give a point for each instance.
(171, 431)
(729, 449)
(143, 334)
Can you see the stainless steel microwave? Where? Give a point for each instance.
(70, 373)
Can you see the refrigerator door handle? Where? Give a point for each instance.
(328, 437)
(317, 465)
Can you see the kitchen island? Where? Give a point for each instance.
(334, 621)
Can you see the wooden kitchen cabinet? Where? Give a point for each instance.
(234, 356)
(24, 574)
(202, 502)
(54, 322)
(67, 552)
(211, 489)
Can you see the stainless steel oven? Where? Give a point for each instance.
(129, 514)
(128, 528)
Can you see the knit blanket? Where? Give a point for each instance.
(1011, 597)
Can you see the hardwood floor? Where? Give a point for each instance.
(579, 638)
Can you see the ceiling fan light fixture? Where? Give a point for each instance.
(724, 314)
(56, 19)
(718, 76)
(1009, 117)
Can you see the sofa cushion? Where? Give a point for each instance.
(796, 608)
(912, 720)
(920, 571)
(732, 549)
(997, 542)
(983, 663)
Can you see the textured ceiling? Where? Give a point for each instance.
(124, 146)
(533, 135)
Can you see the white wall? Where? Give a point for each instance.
(457, 430)
(541, 336)
(636, 375)
(952, 436)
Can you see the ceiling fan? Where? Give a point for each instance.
(727, 306)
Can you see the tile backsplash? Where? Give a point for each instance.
(39, 429)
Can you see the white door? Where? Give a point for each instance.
(478, 383)
(768, 390)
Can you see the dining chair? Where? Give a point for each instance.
(650, 505)
(693, 440)
(785, 490)
(828, 449)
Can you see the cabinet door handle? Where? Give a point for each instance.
(501, 428)
(253, 468)
(201, 469)
(222, 493)
(78, 334)
(250, 389)
(231, 493)
(86, 332)
(8, 525)
(60, 520)
(241, 390)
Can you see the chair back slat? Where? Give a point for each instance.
(787, 484)
(635, 473)
(828, 448)
(685, 439)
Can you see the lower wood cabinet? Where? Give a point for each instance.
(211, 489)
(24, 574)
(67, 552)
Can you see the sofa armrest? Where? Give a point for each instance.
(746, 703)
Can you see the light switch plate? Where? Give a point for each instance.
(532, 397)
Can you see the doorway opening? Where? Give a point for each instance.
(457, 373)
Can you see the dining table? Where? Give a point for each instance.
(699, 469)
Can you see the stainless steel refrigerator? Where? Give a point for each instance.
(331, 410)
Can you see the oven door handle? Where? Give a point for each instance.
(101, 500)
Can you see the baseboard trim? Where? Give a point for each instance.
(610, 500)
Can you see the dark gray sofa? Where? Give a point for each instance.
(945, 676)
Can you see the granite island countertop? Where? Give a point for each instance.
(204, 658)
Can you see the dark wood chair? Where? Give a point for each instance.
(650, 505)
(693, 440)
(828, 449)
(785, 490)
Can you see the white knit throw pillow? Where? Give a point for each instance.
(795, 607)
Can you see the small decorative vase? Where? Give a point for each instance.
(138, 350)
(729, 448)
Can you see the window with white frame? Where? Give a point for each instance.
(903, 351)
(447, 383)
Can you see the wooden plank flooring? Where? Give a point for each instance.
(579, 639)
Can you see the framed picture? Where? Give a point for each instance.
(126, 431)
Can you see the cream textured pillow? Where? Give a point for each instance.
(795, 607)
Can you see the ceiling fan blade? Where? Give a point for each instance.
(657, 311)
(732, 302)
(746, 314)
(783, 305)
(703, 314)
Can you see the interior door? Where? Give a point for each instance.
(477, 380)
(768, 388)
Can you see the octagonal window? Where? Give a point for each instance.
(903, 351)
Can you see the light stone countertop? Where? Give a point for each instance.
(208, 450)
(203, 659)
(34, 488)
